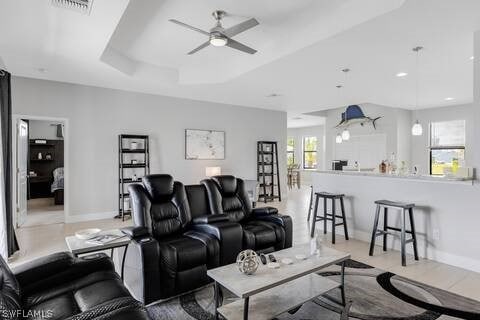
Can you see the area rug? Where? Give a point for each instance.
(373, 295)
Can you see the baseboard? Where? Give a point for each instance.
(432, 253)
(90, 217)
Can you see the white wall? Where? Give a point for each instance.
(298, 134)
(420, 144)
(40, 129)
(96, 117)
(476, 101)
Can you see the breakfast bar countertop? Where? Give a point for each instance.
(425, 178)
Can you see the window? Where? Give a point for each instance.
(290, 151)
(447, 146)
(309, 152)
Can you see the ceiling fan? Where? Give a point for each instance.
(219, 36)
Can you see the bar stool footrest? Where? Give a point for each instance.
(381, 233)
(329, 215)
(399, 230)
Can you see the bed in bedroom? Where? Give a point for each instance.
(57, 186)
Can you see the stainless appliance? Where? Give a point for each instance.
(338, 165)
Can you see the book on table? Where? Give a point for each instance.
(104, 238)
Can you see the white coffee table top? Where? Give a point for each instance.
(265, 278)
(79, 246)
(273, 302)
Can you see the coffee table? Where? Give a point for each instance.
(79, 246)
(270, 292)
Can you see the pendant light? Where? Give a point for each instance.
(338, 139)
(417, 129)
(345, 132)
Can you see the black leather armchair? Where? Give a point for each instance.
(60, 286)
(165, 257)
(264, 229)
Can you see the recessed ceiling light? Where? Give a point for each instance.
(274, 95)
(401, 74)
(449, 99)
(472, 57)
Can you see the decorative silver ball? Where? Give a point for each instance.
(247, 261)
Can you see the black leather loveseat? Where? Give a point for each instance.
(177, 235)
(60, 286)
(264, 230)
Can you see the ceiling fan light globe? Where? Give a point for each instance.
(218, 41)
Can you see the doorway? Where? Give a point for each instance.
(40, 157)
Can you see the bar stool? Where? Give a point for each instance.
(403, 207)
(329, 216)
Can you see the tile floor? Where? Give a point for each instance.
(41, 240)
(43, 211)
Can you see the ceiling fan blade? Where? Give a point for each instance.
(200, 47)
(237, 45)
(243, 26)
(189, 27)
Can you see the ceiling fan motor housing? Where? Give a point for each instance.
(218, 14)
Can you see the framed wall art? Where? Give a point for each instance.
(204, 144)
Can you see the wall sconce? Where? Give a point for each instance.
(213, 171)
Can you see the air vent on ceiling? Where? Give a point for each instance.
(81, 6)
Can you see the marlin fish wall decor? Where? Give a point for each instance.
(353, 115)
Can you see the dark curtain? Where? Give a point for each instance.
(6, 118)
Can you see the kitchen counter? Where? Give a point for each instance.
(444, 208)
(426, 178)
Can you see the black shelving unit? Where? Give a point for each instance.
(267, 171)
(126, 169)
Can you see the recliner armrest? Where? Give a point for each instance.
(59, 268)
(124, 308)
(284, 221)
(229, 235)
(264, 211)
(279, 219)
(211, 218)
(135, 232)
(142, 269)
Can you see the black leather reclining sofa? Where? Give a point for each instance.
(182, 231)
(60, 286)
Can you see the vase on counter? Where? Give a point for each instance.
(415, 169)
(382, 167)
(403, 168)
(392, 164)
